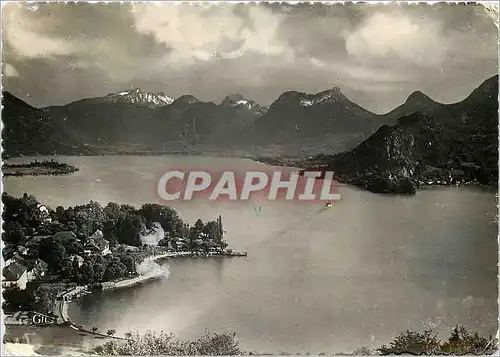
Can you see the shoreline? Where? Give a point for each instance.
(364, 183)
(220, 154)
(63, 300)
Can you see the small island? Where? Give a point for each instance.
(37, 168)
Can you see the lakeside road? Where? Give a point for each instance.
(195, 254)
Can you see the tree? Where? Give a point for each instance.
(44, 297)
(60, 214)
(29, 207)
(166, 216)
(128, 209)
(16, 299)
(362, 351)
(34, 298)
(87, 275)
(110, 231)
(8, 251)
(115, 270)
(463, 342)
(112, 214)
(199, 226)
(413, 343)
(460, 342)
(24, 210)
(214, 344)
(68, 269)
(72, 245)
(13, 233)
(89, 218)
(111, 211)
(99, 270)
(163, 242)
(212, 230)
(129, 227)
(72, 227)
(53, 253)
(151, 344)
(128, 261)
(194, 233)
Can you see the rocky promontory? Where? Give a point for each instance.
(417, 151)
(449, 144)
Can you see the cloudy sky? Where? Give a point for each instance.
(377, 54)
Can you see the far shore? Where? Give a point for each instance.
(241, 153)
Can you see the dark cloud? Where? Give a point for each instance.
(377, 54)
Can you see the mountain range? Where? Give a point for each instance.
(299, 115)
(139, 121)
(439, 144)
(135, 96)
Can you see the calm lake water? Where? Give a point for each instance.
(315, 279)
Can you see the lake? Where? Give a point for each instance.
(315, 279)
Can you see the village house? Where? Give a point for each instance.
(23, 251)
(15, 275)
(180, 243)
(204, 236)
(36, 269)
(214, 247)
(76, 260)
(44, 213)
(130, 248)
(96, 244)
(20, 255)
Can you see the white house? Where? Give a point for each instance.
(76, 259)
(44, 213)
(23, 251)
(96, 244)
(15, 275)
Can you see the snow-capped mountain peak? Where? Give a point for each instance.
(138, 96)
(329, 96)
(238, 101)
(333, 95)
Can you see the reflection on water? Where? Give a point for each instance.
(314, 280)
